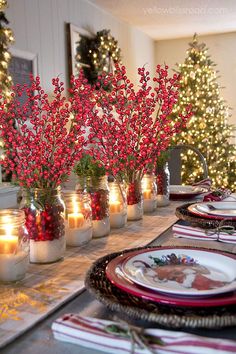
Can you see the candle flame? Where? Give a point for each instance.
(75, 205)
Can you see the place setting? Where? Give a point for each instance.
(181, 286)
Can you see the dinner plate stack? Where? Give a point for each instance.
(181, 286)
(208, 215)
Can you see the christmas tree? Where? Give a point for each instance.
(6, 38)
(208, 129)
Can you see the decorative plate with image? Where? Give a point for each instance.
(115, 274)
(181, 272)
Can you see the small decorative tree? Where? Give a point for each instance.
(208, 129)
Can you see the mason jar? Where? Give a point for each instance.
(134, 200)
(149, 190)
(98, 190)
(78, 218)
(163, 185)
(45, 213)
(117, 205)
(14, 245)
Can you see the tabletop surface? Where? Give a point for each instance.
(40, 339)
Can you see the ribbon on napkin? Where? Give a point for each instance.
(115, 337)
(217, 195)
(204, 183)
(223, 233)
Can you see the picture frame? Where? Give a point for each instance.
(77, 59)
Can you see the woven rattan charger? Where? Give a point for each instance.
(168, 316)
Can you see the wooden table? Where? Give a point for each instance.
(153, 229)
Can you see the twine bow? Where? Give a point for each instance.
(228, 229)
(135, 334)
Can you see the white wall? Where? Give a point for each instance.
(221, 48)
(39, 28)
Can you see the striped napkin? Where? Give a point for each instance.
(204, 183)
(224, 234)
(114, 337)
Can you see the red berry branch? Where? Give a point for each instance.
(48, 136)
(129, 129)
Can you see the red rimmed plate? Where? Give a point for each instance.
(221, 212)
(179, 192)
(115, 274)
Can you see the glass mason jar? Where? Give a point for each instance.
(163, 185)
(99, 194)
(149, 190)
(78, 218)
(117, 205)
(14, 245)
(134, 200)
(45, 212)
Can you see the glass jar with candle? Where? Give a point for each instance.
(117, 205)
(99, 195)
(45, 212)
(78, 221)
(149, 190)
(14, 245)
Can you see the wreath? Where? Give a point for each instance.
(99, 54)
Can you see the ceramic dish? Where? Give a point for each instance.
(182, 272)
(223, 210)
(178, 192)
(227, 209)
(115, 274)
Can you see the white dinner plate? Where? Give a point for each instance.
(184, 272)
(221, 208)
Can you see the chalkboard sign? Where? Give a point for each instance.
(20, 70)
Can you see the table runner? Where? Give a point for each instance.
(47, 287)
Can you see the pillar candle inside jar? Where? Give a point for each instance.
(115, 207)
(8, 244)
(75, 220)
(147, 193)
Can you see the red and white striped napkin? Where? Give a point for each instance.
(204, 183)
(92, 333)
(183, 229)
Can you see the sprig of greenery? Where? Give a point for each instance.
(88, 167)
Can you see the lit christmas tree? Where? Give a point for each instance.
(208, 129)
(6, 38)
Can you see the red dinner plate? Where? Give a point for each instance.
(179, 192)
(115, 275)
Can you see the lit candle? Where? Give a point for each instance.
(147, 193)
(115, 207)
(8, 244)
(75, 220)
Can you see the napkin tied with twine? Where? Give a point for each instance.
(119, 337)
(223, 233)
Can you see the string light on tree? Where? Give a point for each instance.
(208, 129)
(6, 38)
